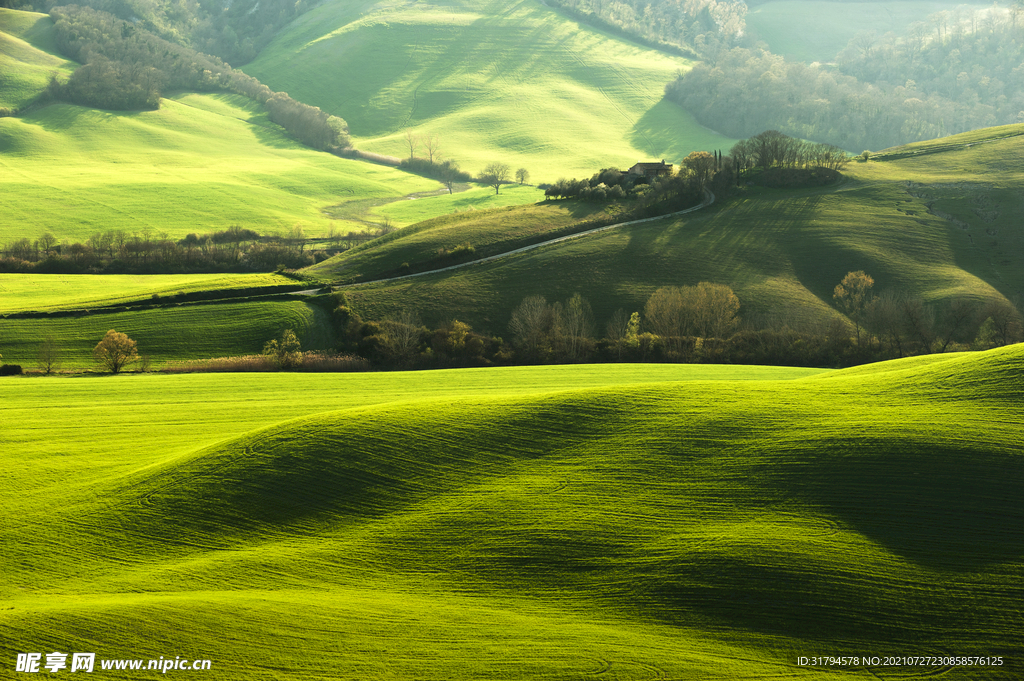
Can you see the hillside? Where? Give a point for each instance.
(28, 55)
(496, 527)
(817, 30)
(200, 163)
(516, 83)
(938, 225)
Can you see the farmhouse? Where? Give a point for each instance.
(650, 170)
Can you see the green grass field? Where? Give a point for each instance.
(782, 251)
(169, 333)
(489, 232)
(29, 292)
(516, 83)
(816, 30)
(27, 57)
(201, 163)
(477, 197)
(557, 522)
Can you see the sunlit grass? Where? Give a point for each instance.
(518, 523)
(516, 83)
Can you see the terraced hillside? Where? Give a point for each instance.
(488, 524)
(495, 81)
(936, 219)
(201, 163)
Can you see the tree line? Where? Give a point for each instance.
(687, 27)
(235, 249)
(957, 72)
(126, 67)
(698, 323)
(234, 31)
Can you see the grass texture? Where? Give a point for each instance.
(25, 292)
(201, 163)
(521, 523)
(495, 81)
(939, 225)
(812, 30)
(28, 56)
(169, 333)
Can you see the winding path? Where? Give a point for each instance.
(709, 198)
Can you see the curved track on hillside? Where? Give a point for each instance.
(709, 198)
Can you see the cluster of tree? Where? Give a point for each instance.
(899, 324)
(235, 249)
(682, 189)
(964, 64)
(693, 26)
(960, 71)
(772, 149)
(402, 341)
(697, 323)
(127, 67)
(446, 171)
(234, 31)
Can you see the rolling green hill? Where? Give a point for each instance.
(28, 55)
(199, 164)
(516, 83)
(939, 221)
(496, 526)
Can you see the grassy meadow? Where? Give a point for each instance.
(169, 333)
(27, 57)
(516, 83)
(30, 292)
(200, 163)
(490, 232)
(938, 225)
(555, 522)
(816, 30)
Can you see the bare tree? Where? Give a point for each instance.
(495, 175)
(413, 141)
(49, 355)
(956, 322)
(401, 336)
(432, 144)
(528, 323)
(1006, 321)
(578, 327)
(522, 176)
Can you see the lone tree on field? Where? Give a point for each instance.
(432, 143)
(115, 352)
(495, 175)
(449, 173)
(49, 355)
(851, 296)
(522, 176)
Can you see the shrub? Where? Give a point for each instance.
(11, 370)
